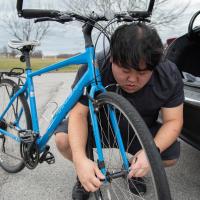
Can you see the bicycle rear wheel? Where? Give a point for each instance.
(135, 135)
(17, 118)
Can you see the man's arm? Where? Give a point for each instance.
(171, 127)
(166, 136)
(87, 171)
(78, 131)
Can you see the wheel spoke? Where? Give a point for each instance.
(10, 155)
(11, 159)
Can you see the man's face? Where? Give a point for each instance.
(129, 79)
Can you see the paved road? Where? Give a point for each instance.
(50, 182)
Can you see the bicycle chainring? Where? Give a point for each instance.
(29, 149)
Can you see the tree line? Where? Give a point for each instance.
(12, 53)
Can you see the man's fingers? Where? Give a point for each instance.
(92, 188)
(86, 188)
(99, 174)
(96, 182)
(134, 167)
(130, 174)
(134, 173)
(138, 172)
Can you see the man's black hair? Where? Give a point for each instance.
(131, 43)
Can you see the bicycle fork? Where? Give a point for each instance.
(101, 164)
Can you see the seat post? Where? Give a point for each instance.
(27, 59)
(26, 53)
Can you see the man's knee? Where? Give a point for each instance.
(169, 163)
(62, 142)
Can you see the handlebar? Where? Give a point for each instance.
(40, 13)
(67, 17)
(62, 17)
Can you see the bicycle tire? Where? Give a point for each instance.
(159, 179)
(12, 148)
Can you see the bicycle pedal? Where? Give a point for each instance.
(50, 159)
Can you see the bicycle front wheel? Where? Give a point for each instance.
(17, 118)
(135, 136)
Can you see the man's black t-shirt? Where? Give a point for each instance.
(164, 89)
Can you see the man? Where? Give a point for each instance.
(150, 83)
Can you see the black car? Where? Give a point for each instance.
(185, 52)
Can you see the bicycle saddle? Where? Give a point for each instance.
(19, 44)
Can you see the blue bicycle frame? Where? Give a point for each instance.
(91, 77)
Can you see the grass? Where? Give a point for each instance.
(36, 63)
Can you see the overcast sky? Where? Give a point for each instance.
(68, 39)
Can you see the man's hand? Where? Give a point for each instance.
(139, 165)
(89, 174)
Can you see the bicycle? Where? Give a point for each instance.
(19, 121)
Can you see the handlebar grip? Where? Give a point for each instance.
(37, 13)
(19, 6)
(151, 5)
